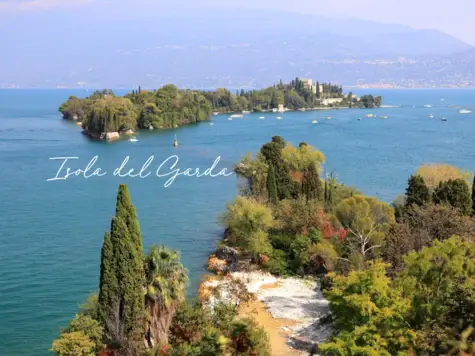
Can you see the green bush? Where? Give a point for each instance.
(278, 263)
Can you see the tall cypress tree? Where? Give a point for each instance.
(121, 300)
(417, 192)
(311, 184)
(473, 197)
(108, 289)
(271, 185)
(286, 187)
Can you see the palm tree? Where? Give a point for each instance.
(166, 282)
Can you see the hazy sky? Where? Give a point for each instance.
(454, 17)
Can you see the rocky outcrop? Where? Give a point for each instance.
(107, 136)
(111, 136)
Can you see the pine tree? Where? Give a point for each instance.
(121, 299)
(271, 185)
(473, 197)
(417, 192)
(454, 192)
(311, 184)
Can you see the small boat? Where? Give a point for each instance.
(383, 117)
(237, 116)
(329, 118)
(175, 142)
(431, 116)
(370, 115)
(444, 119)
(359, 119)
(262, 117)
(230, 118)
(274, 110)
(314, 122)
(133, 139)
(427, 106)
(464, 111)
(211, 123)
(246, 112)
(279, 117)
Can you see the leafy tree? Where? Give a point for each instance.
(420, 228)
(249, 339)
(254, 171)
(417, 192)
(440, 281)
(367, 221)
(90, 306)
(271, 185)
(433, 174)
(325, 255)
(294, 217)
(300, 158)
(311, 183)
(369, 315)
(245, 216)
(455, 193)
(89, 327)
(300, 253)
(166, 281)
(73, 344)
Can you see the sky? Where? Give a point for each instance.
(452, 17)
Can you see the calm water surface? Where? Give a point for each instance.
(51, 232)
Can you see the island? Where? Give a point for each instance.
(103, 115)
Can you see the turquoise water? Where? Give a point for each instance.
(51, 232)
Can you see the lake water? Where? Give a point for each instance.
(51, 232)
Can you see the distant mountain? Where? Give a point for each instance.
(224, 48)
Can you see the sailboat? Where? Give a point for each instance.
(175, 142)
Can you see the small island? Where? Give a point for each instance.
(103, 115)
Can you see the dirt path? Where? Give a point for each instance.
(273, 327)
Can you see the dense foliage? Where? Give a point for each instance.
(400, 279)
(200, 331)
(170, 107)
(140, 309)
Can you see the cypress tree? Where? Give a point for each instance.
(271, 185)
(121, 299)
(311, 184)
(286, 187)
(126, 211)
(108, 281)
(473, 197)
(330, 198)
(325, 194)
(417, 192)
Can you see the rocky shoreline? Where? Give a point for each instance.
(297, 306)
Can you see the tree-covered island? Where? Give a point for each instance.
(104, 115)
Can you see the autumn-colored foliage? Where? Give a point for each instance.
(217, 265)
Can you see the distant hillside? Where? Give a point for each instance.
(238, 48)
